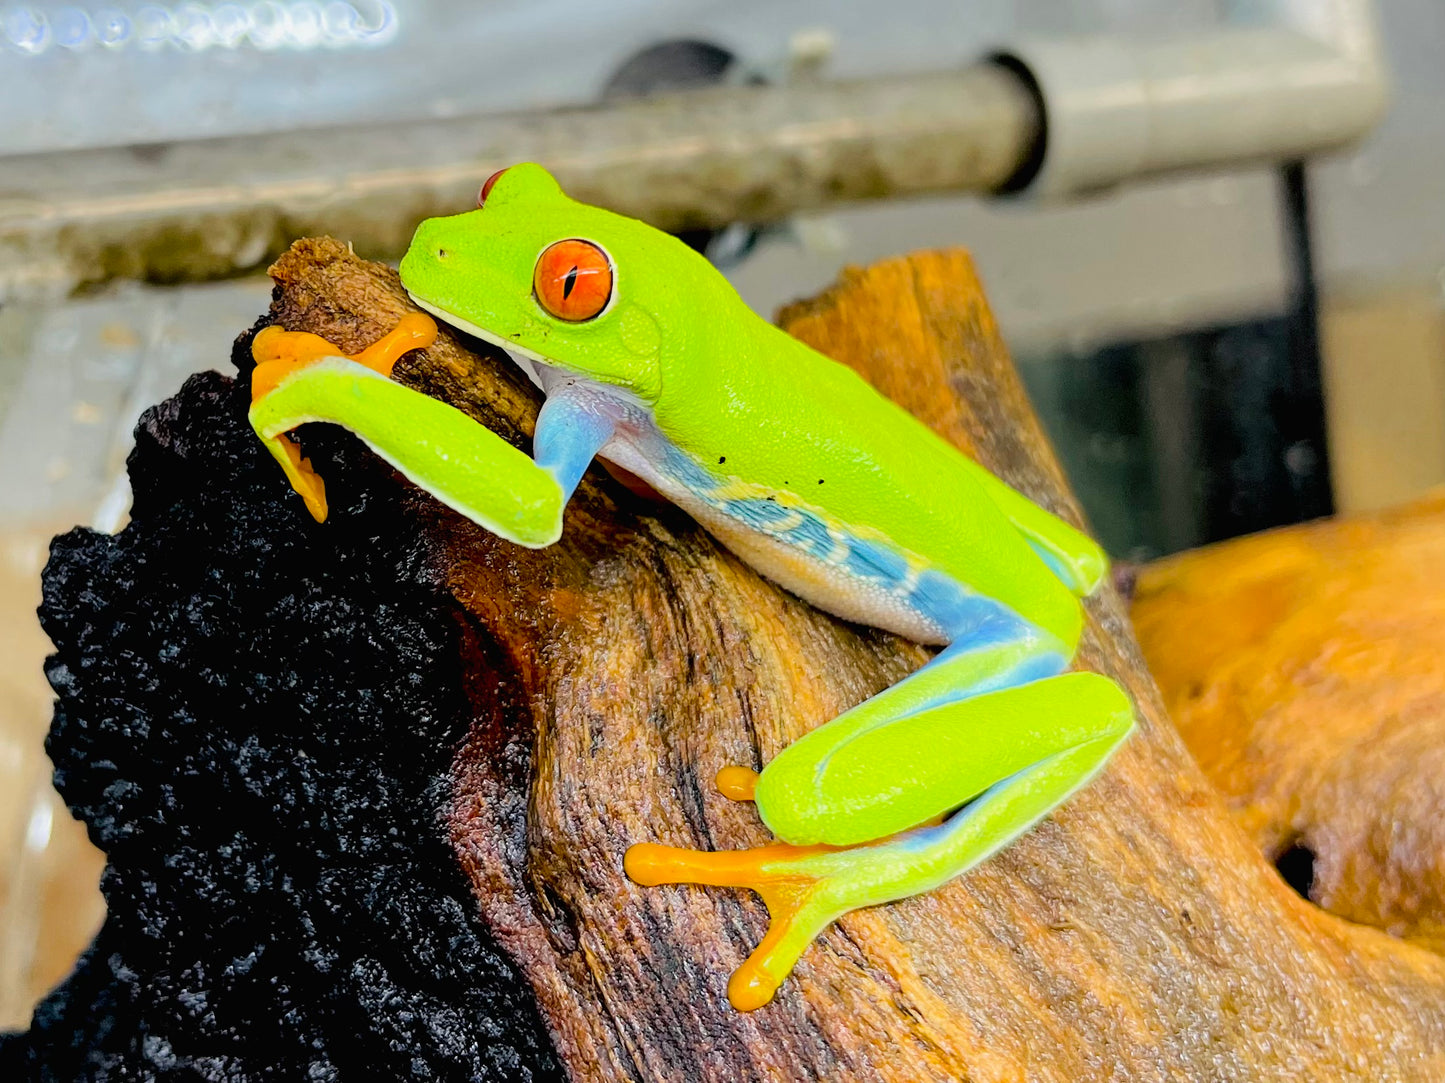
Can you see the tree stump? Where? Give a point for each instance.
(1134, 935)
(1305, 668)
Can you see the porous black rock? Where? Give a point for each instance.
(256, 715)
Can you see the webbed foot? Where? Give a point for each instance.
(280, 354)
(805, 889)
(797, 893)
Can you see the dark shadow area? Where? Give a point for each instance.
(1176, 442)
(1297, 866)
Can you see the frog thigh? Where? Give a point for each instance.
(901, 772)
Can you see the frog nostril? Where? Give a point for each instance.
(441, 253)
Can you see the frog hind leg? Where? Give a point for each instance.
(984, 724)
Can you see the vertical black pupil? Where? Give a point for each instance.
(569, 283)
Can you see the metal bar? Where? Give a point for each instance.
(696, 159)
(1302, 423)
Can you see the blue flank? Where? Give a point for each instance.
(765, 516)
(685, 468)
(871, 561)
(809, 533)
(969, 619)
(1057, 566)
(960, 612)
(963, 614)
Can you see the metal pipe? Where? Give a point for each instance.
(697, 159)
(1280, 81)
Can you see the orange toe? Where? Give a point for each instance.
(737, 783)
(751, 987)
(414, 331)
(275, 343)
(771, 871)
(306, 481)
(649, 864)
(763, 868)
(279, 352)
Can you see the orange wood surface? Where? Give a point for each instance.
(1305, 668)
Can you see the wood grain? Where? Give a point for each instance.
(1136, 935)
(1305, 668)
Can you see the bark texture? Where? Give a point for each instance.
(1305, 668)
(256, 721)
(1136, 935)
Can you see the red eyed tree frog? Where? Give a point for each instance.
(649, 359)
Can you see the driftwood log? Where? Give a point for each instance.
(1305, 669)
(1137, 934)
(365, 787)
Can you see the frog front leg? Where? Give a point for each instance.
(990, 728)
(302, 378)
(280, 354)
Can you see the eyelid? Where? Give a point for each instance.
(487, 186)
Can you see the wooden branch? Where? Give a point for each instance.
(1305, 668)
(1135, 935)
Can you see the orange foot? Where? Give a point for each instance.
(775, 873)
(806, 888)
(280, 353)
(796, 894)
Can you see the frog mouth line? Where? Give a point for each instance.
(532, 365)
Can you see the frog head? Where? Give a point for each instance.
(560, 285)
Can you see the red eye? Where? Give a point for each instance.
(487, 186)
(573, 280)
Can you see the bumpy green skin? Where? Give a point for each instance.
(822, 484)
(724, 384)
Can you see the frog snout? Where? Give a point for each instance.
(427, 244)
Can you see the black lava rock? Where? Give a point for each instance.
(256, 718)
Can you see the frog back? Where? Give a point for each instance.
(801, 446)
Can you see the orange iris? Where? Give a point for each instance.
(573, 280)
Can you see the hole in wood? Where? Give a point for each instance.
(1297, 866)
